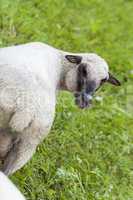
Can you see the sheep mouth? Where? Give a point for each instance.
(83, 100)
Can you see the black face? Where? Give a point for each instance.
(86, 87)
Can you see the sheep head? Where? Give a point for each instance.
(89, 73)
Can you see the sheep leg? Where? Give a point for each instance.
(20, 153)
(10, 158)
(6, 142)
(29, 138)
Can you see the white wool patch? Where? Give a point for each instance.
(8, 190)
(98, 66)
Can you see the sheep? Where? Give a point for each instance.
(30, 76)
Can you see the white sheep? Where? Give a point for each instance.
(30, 76)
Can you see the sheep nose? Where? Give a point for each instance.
(83, 100)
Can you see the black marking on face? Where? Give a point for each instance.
(82, 100)
(81, 77)
(85, 88)
(91, 86)
(82, 82)
(82, 69)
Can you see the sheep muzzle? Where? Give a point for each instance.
(83, 100)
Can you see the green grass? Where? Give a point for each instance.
(89, 154)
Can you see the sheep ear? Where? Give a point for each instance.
(74, 59)
(113, 80)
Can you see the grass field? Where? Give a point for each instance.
(89, 154)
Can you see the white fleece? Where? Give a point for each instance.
(8, 190)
